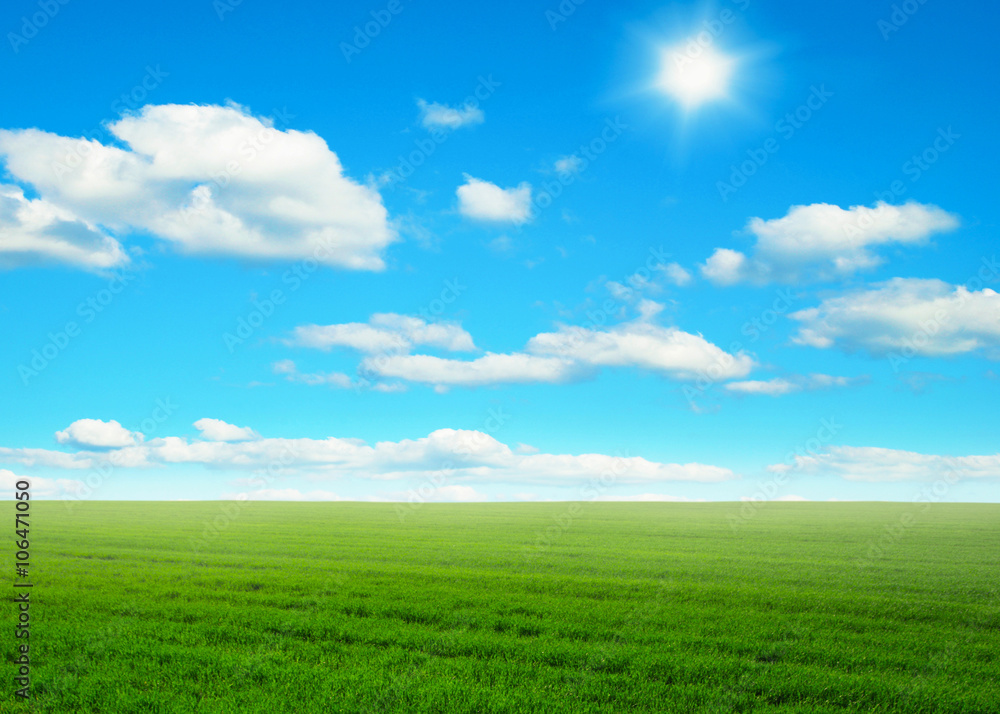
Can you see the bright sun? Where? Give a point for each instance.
(694, 74)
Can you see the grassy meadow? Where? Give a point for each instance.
(541, 607)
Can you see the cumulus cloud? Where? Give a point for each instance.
(824, 242)
(569, 354)
(218, 430)
(485, 201)
(441, 116)
(780, 385)
(39, 232)
(667, 350)
(908, 316)
(869, 463)
(458, 456)
(384, 332)
(94, 432)
(208, 179)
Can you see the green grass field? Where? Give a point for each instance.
(610, 607)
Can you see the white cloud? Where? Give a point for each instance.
(725, 267)
(649, 281)
(771, 387)
(491, 368)
(569, 354)
(569, 165)
(485, 201)
(906, 315)
(780, 385)
(502, 244)
(441, 494)
(39, 232)
(441, 116)
(211, 180)
(667, 350)
(457, 456)
(337, 380)
(94, 432)
(39, 487)
(384, 332)
(218, 430)
(824, 242)
(868, 463)
(284, 366)
(677, 274)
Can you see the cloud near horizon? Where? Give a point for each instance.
(463, 456)
(875, 464)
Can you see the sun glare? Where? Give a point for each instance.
(695, 74)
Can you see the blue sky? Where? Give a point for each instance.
(531, 251)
